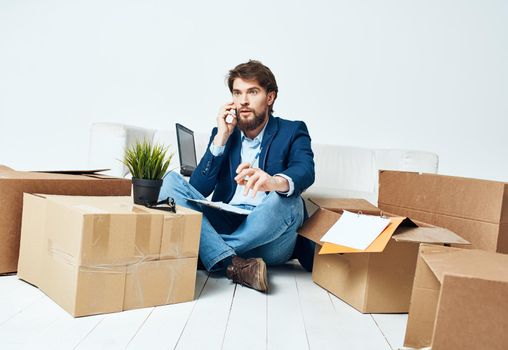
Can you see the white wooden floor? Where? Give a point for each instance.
(296, 314)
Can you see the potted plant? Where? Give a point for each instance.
(147, 164)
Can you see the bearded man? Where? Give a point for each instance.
(253, 161)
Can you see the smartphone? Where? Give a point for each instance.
(231, 116)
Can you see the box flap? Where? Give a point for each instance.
(5, 168)
(32, 239)
(72, 172)
(32, 175)
(377, 246)
(436, 235)
(101, 176)
(467, 262)
(402, 229)
(318, 224)
(96, 204)
(350, 204)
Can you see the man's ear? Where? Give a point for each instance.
(271, 97)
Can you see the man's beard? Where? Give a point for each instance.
(249, 124)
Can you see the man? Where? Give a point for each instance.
(254, 161)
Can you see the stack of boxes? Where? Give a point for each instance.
(104, 254)
(88, 247)
(14, 183)
(456, 298)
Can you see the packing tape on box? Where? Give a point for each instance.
(139, 293)
(174, 228)
(113, 244)
(172, 235)
(65, 258)
(127, 239)
(174, 243)
(175, 233)
(60, 255)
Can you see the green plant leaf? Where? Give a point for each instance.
(147, 161)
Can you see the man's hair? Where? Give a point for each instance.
(255, 70)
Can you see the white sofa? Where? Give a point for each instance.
(341, 171)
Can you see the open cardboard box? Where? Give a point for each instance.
(95, 255)
(475, 209)
(459, 300)
(14, 183)
(379, 279)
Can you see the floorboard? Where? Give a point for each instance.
(393, 327)
(207, 323)
(285, 322)
(166, 323)
(115, 331)
(247, 321)
(29, 322)
(357, 330)
(332, 324)
(66, 332)
(15, 296)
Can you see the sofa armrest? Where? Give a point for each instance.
(393, 159)
(108, 142)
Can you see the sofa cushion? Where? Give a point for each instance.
(108, 142)
(343, 168)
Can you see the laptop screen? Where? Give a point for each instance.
(186, 148)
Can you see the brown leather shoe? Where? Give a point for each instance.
(249, 272)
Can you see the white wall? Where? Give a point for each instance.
(429, 75)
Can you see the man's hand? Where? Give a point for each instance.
(256, 180)
(224, 130)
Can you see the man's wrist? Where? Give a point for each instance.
(281, 184)
(220, 140)
(291, 185)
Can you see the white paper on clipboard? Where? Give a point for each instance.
(355, 230)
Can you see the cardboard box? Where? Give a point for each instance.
(379, 279)
(340, 204)
(4, 168)
(459, 300)
(95, 255)
(14, 183)
(475, 209)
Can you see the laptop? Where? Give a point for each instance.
(186, 150)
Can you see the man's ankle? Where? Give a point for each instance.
(222, 265)
(248, 272)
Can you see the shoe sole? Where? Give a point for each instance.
(263, 285)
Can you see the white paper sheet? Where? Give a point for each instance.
(221, 206)
(355, 230)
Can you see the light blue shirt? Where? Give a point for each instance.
(251, 149)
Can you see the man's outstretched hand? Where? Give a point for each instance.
(256, 180)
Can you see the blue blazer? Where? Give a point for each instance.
(285, 149)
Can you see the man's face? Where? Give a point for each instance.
(252, 103)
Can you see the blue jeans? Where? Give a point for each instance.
(268, 232)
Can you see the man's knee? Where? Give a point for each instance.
(172, 184)
(173, 177)
(291, 207)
